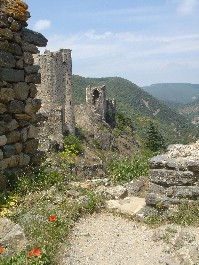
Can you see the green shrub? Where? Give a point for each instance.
(74, 141)
(121, 171)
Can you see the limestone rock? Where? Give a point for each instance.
(118, 192)
(12, 236)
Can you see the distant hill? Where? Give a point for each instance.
(137, 104)
(171, 93)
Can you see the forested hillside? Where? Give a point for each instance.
(139, 106)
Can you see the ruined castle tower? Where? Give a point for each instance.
(56, 94)
(96, 101)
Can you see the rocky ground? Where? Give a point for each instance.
(107, 239)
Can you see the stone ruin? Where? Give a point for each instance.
(18, 76)
(98, 109)
(174, 176)
(56, 94)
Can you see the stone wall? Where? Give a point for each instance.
(18, 76)
(56, 94)
(174, 176)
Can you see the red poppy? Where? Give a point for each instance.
(29, 255)
(36, 251)
(1, 250)
(52, 218)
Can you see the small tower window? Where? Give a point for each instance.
(95, 96)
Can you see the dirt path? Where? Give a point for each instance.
(106, 239)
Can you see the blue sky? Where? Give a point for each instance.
(144, 41)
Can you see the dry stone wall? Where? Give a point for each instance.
(174, 176)
(18, 76)
(56, 94)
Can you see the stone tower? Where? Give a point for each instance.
(56, 94)
(96, 101)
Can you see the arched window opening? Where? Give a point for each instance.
(95, 96)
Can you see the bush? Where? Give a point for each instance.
(125, 170)
(72, 140)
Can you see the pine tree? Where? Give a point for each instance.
(154, 140)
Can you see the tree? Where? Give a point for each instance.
(154, 139)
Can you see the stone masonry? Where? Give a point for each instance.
(56, 94)
(18, 76)
(98, 109)
(174, 176)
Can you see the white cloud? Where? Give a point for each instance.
(42, 24)
(188, 7)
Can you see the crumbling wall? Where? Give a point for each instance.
(174, 176)
(56, 94)
(18, 76)
(98, 109)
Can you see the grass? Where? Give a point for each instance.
(33, 199)
(184, 214)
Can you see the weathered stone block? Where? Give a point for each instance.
(6, 94)
(17, 37)
(33, 131)
(15, 48)
(24, 160)
(21, 90)
(30, 147)
(11, 75)
(16, 106)
(12, 125)
(3, 108)
(33, 78)
(193, 165)
(27, 47)
(3, 140)
(171, 178)
(32, 69)
(6, 117)
(18, 147)
(28, 58)
(13, 137)
(189, 192)
(6, 34)
(158, 161)
(33, 90)
(9, 150)
(7, 60)
(14, 25)
(13, 161)
(32, 105)
(34, 38)
(4, 46)
(24, 134)
(22, 117)
(3, 164)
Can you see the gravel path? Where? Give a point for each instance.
(106, 239)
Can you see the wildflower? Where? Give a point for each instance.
(1, 250)
(36, 252)
(29, 255)
(52, 218)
